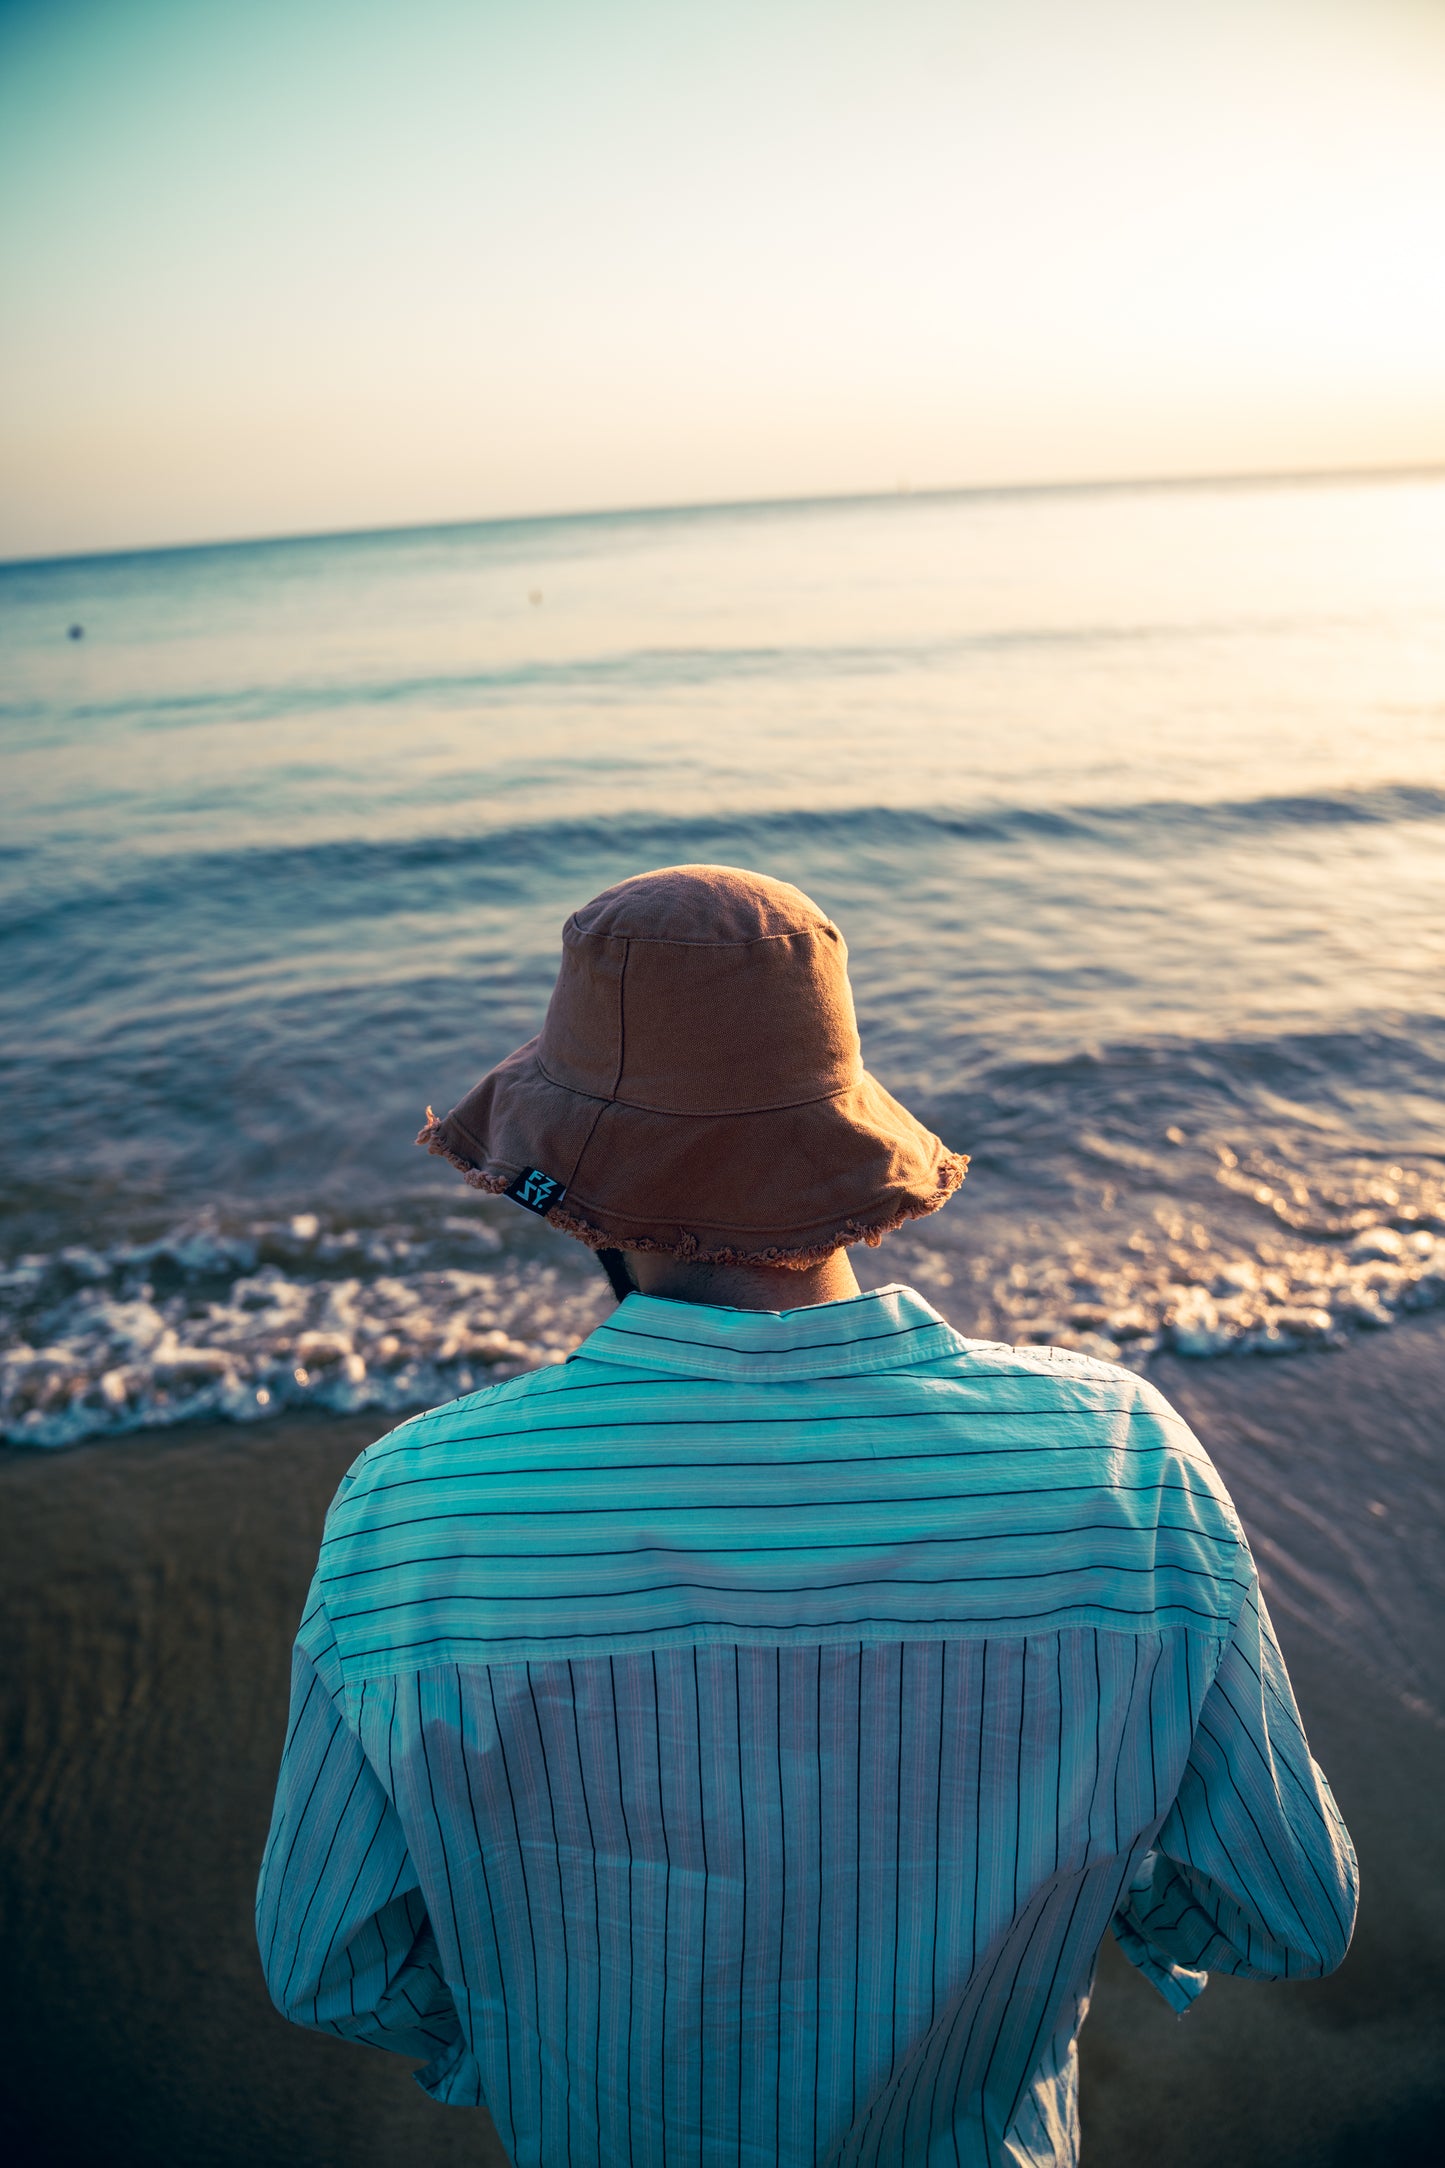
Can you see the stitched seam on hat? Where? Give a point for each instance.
(715, 1114)
(573, 1090)
(733, 1114)
(621, 1020)
(915, 1207)
(602, 1104)
(953, 1167)
(669, 940)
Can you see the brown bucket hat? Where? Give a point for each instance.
(698, 1086)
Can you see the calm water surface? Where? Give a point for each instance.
(1131, 806)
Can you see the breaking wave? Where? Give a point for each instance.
(206, 1323)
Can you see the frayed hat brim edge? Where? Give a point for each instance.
(953, 1166)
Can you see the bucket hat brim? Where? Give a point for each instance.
(781, 1186)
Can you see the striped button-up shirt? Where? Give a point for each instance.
(730, 1747)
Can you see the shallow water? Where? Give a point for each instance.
(1131, 806)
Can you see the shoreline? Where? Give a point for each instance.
(152, 1586)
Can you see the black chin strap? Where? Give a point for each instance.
(619, 1279)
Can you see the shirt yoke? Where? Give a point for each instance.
(603, 1506)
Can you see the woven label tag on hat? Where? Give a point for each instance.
(537, 1191)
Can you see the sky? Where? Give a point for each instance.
(296, 266)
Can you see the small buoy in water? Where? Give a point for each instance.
(76, 632)
(535, 597)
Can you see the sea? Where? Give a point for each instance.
(1130, 803)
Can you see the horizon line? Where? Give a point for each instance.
(1118, 485)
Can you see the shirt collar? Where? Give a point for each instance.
(889, 1328)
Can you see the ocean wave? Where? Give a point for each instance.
(386, 876)
(1375, 1086)
(204, 1323)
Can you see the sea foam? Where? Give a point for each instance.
(205, 1323)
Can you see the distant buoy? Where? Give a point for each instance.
(76, 632)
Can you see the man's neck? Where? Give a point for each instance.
(743, 1287)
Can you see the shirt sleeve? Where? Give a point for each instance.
(345, 1940)
(1253, 1871)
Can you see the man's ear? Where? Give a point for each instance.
(619, 1279)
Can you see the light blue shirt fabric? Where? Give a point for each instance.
(730, 1747)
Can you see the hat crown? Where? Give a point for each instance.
(702, 990)
(707, 904)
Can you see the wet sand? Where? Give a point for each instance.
(150, 1591)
